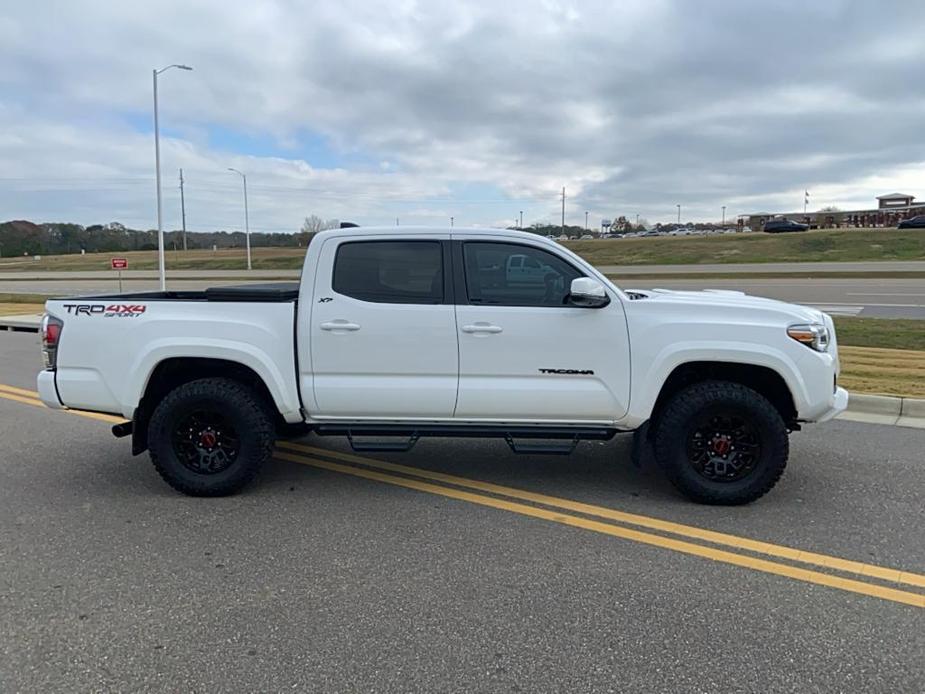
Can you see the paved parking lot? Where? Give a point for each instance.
(465, 569)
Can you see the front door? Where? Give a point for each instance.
(524, 352)
(383, 330)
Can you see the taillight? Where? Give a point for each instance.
(51, 336)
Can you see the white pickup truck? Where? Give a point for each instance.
(393, 334)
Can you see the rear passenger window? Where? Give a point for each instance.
(390, 272)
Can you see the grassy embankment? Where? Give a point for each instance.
(827, 245)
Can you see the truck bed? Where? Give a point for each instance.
(273, 292)
(111, 344)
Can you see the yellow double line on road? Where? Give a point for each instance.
(700, 542)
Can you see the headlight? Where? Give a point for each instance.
(815, 335)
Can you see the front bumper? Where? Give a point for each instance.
(837, 405)
(48, 392)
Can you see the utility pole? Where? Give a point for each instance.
(679, 213)
(586, 220)
(451, 222)
(563, 209)
(724, 215)
(396, 221)
(637, 219)
(805, 200)
(183, 209)
(521, 220)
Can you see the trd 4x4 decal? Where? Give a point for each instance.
(106, 310)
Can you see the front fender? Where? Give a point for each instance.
(651, 373)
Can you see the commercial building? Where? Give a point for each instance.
(890, 210)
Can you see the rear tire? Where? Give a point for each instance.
(721, 443)
(210, 437)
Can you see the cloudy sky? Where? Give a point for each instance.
(369, 111)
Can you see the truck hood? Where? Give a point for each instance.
(720, 298)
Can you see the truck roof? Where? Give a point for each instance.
(443, 231)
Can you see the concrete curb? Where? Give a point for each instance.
(885, 409)
(27, 323)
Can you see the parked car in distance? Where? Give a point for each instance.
(776, 226)
(912, 223)
(587, 237)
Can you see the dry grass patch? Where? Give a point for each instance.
(885, 371)
(18, 309)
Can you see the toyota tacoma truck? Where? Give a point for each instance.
(391, 335)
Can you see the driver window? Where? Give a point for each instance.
(541, 278)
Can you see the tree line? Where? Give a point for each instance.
(22, 237)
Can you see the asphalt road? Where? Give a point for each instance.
(892, 298)
(322, 579)
(882, 298)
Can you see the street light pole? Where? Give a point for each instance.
(451, 222)
(247, 226)
(157, 174)
(586, 220)
(679, 213)
(521, 220)
(724, 215)
(183, 209)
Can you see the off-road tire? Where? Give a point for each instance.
(675, 426)
(238, 404)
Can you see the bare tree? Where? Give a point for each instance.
(313, 224)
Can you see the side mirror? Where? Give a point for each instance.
(587, 292)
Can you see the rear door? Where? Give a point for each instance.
(383, 330)
(524, 352)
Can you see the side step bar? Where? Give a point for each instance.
(566, 438)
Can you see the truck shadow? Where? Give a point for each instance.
(600, 469)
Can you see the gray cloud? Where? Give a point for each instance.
(634, 106)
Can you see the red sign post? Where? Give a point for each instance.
(119, 264)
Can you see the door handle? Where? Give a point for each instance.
(339, 325)
(482, 328)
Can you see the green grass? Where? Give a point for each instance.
(837, 245)
(827, 245)
(624, 277)
(226, 259)
(893, 333)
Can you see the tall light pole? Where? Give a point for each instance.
(183, 209)
(521, 220)
(586, 220)
(679, 213)
(451, 221)
(247, 225)
(724, 215)
(157, 171)
(563, 210)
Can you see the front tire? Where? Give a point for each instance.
(721, 443)
(210, 437)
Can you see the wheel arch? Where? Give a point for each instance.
(171, 373)
(761, 379)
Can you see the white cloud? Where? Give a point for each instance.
(633, 106)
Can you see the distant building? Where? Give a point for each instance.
(894, 200)
(891, 209)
